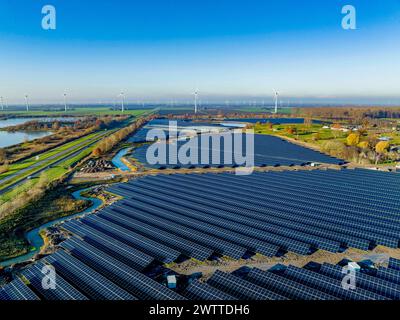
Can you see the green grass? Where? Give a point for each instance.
(285, 111)
(83, 111)
(16, 167)
(305, 133)
(13, 168)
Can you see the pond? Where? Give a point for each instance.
(17, 121)
(11, 138)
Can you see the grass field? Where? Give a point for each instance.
(263, 110)
(13, 168)
(77, 111)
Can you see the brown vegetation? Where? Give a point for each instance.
(108, 143)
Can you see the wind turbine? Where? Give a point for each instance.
(65, 101)
(122, 95)
(276, 96)
(196, 94)
(27, 102)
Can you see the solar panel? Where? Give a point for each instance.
(328, 285)
(225, 202)
(185, 246)
(291, 220)
(202, 291)
(127, 278)
(147, 214)
(241, 289)
(391, 275)
(144, 244)
(217, 227)
(119, 250)
(63, 290)
(17, 290)
(90, 282)
(367, 282)
(394, 264)
(269, 150)
(286, 287)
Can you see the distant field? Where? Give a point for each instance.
(101, 111)
(264, 110)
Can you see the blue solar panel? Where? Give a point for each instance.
(17, 290)
(268, 150)
(394, 264)
(287, 220)
(90, 282)
(202, 291)
(241, 289)
(187, 247)
(148, 214)
(144, 244)
(286, 287)
(373, 284)
(222, 232)
(329, 285)
(391, 275)
(62, 291)
(126, 254)
(127, 278)
(225, 204)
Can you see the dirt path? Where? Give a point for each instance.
(379, 255)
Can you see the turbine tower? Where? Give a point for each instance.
(196, 94)
(276, 95)
(27, 103)
(122, 95)
(65, 102)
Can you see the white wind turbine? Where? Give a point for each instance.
(276, 96)
(196, 95)
(122, 95)
(65, 102)
(27, 102)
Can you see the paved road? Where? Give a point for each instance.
(79, 148)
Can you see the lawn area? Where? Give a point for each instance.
(13, 168)
(311, 134)
(263, 110)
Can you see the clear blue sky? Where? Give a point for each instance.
(165, 48)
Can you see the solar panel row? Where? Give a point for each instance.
(184, 246)
(90, 282)
(126, 254)
(202, 291)
(296, 283)
(144, 244)
(142, 212)
(127, 278)
(394, 264)
(268, 151)
(62, 289)
(17, 290)
(224, 204)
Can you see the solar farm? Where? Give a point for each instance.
(163, 220)
(268, 151)
(79, 281)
